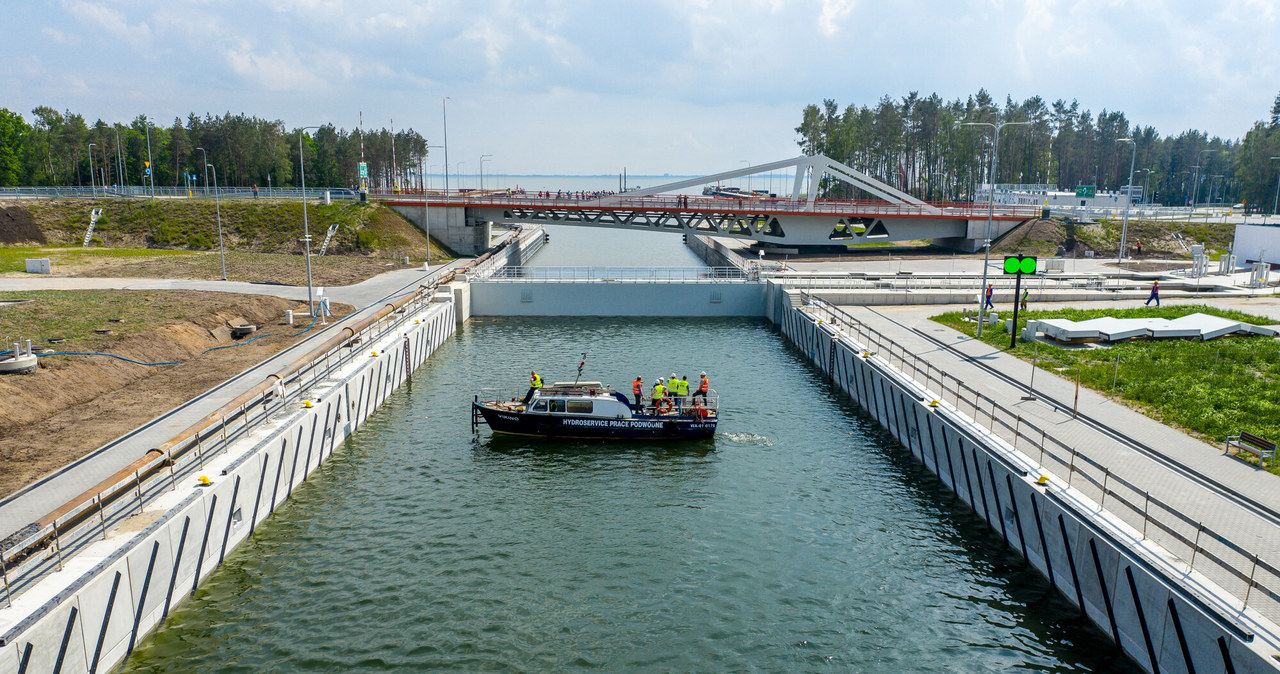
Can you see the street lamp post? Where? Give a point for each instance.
(151, 169)
(1145, 180)
(444, 114)
(1128, 199)
(1275, 201)
(218, 205)
(482, 158)
(991, 197)
(204, 159)
(426, 209)
(1195, 183)
(93, 184)
(306, 231)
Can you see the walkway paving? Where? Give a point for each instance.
(55, 489)
(1251, 530)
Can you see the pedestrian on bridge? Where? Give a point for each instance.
(1155, 294)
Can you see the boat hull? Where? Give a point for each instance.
(588, 427)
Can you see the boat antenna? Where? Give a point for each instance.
(580, 364)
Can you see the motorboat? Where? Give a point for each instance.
(590, 409)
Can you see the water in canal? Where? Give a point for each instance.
(801, 538)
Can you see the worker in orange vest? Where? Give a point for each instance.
(637, 389)
(704, 385)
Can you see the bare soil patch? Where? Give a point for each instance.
(75, 404)
(17, 226)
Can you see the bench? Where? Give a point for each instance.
(1259, 447)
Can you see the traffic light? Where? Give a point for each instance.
(1020, 264)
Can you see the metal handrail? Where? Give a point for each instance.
(72, 526)
(646, 274)
(1026, 437)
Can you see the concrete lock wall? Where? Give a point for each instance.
(620, 298)
(453, 226)
(1140, 603)
(89, 616)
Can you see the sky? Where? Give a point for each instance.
(684, 87)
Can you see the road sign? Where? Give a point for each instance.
(1086, 191)
(148, 171)
(146, 164)
(1016, 264)
(364, 170)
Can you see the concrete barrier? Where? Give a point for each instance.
(1164, 618)
(89, 616)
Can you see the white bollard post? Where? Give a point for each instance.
(288, 316)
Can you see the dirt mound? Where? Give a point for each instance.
(74, 404)
(17, 226)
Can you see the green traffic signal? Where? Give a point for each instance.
(1020, 264)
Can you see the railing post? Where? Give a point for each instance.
(137, 483)
(102, 518)
(1071, 467)
(1145, 517)
(57, 543)
(1249, 588)
(173, 480)
(1106, 473)
(1195, 547)
(4, 573)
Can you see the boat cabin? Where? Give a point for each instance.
(587, 398)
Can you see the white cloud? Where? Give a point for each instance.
(111, 21)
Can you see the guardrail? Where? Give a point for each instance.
(170, 192)
(608, 274)
(42, 546)
(1036, 284)
(692, 203)
(1211, 553)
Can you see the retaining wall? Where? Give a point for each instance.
(89, 616)
(1161, 616)
(617, 298)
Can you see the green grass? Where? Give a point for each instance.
(13, 258)
(1212, 389)
(75, 314)
(871, 244)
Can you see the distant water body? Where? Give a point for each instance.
(777, 182)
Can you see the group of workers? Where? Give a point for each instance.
(668, 393)
(671, 393)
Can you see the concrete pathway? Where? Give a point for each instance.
(1151, 468)
(55, 489)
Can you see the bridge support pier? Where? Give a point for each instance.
(462, 229)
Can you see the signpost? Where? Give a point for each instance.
(1086, 191)
(1019, 265)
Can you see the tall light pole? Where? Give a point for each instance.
(482, 158)
(151, 168)
(217, 202)
(120, 170)
(1145, 180)
(991, 200)
(426, 209)
(306, 232)
(204, 159)
(1195, 183)
(1275, 201)
(93, 185)
(1128, 199)
(444, 114)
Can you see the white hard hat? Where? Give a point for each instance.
(673, 375)
(660, 379)
(703, 374)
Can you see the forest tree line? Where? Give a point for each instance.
(916, 143)
(53, 150)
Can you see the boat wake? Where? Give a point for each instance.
(748, 439)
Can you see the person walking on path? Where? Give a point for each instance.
(637, 389)
(535, 383)
(1155, 294)
(990, 305)
(1026, 295)
(1139, 249)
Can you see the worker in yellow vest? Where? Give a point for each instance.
(535, 383)
(682, 391)
(659, 393)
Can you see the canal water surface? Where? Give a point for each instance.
(801, 538)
